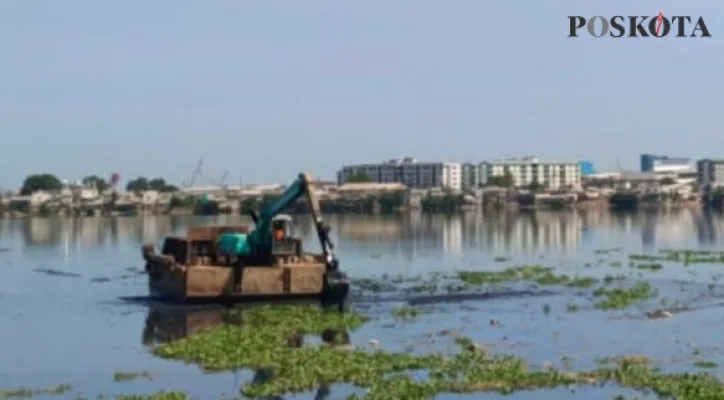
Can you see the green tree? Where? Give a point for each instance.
(34, 183)
(505, 180)
(95, 181)
(139, 184)
(161, 185)
(142, 184)
(181, 202)
(448, 202)
(391, 201)
(535, 186)
(359, 177)
(668, 181)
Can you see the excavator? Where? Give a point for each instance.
(266, 261)
(258, 246)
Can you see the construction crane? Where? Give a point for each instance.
(187, 183)
(222, 180)
(198, 172)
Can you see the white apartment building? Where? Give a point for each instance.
(526, 170)
(710, 172)
(408, 171)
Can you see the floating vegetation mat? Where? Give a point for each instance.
(616, 284)
(684, 256)
(23, 393)
(262, 343)
(610, 292)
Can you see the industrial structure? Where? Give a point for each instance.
(587, 168)
(666, 164)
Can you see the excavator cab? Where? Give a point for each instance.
(282, 241)
(281, 226)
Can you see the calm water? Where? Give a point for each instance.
(69, 328)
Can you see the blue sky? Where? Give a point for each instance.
(265, 89)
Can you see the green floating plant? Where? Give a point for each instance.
(261, 343)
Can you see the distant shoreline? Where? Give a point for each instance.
(361, 202)
(301, 209)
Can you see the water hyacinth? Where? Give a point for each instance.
(261, 343)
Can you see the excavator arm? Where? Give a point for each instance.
(261, 238)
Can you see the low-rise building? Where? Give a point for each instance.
(407, 171)
(527, 170)
(128, 199)
(710, 173)
(39, 198)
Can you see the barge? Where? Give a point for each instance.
(222, 264)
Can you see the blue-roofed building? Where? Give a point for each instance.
(665, 164)
(587, 168)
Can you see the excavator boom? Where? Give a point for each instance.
(260, 239)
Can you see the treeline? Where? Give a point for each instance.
(383, 203)
(379, 203)
(446, 203)
(49, 182)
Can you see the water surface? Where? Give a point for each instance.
(70, 326)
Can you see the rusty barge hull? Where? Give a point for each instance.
(199, 283)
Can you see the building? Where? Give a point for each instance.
(587, 168)
(710, 172)
(666, 164)
(471, 175)
(408, 171)
(527, 170)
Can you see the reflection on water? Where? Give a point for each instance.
(408, 234)
(168, 323)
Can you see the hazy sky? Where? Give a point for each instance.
(267, 88)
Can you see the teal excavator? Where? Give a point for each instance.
(257, 248)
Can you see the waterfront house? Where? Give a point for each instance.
(149, 198)
(39, 198)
